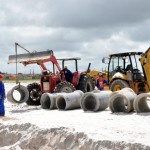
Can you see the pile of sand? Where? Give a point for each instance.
(28, 136)
(31, 127)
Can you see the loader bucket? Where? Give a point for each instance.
(30, 57)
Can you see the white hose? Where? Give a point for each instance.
(95, 101)
(67, 101)
(141, 103)
(122, 100)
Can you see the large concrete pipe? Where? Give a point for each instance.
(122, 100)
(18, 94)
(48, 101)
(95, 101)
(141, 103)
(67, 101)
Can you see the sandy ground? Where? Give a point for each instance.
(31, 127)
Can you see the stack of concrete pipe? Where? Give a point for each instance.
(22, 90)
(62, 101)
(122, 100)
(141, 103)
(95, 101)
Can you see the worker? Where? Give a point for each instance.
(101, 82)
(68, 74)
(2, 96)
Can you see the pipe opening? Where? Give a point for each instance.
(90, 102)
(18, 94)
(144, 104)
(46, 102)
(61, 103)
(120, 104)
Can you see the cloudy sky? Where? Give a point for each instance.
(89, 29)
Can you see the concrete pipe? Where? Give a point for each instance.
(95, 101)
(141, 103)
(48, 101)
(18, 94)
(67, 101)
(95, 91)
(122, 100)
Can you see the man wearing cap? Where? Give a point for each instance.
(2, 96)
(68, 74)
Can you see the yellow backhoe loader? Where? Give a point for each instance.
(129, 69)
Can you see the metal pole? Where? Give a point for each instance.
(16, 44)
(16, 63)
(23, 48)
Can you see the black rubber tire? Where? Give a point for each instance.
(86, 83)
(66, 87)
(118, 83)
(34, 94)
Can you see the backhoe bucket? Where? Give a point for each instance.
(30, 57)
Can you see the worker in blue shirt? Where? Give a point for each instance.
(101, 82)
(2, 96)
(68, 74)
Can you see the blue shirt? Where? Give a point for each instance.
(68, 75)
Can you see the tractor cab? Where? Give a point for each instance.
(125, 63)
(73, 67)
(125, 70)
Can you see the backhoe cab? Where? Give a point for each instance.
(51, 80)
(129, 69)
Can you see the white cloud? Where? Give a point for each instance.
(88, 29)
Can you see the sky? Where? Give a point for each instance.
(89, 29)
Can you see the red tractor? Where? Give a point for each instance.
(51, 81)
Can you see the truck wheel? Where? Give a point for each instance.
(86, 83)
(34, 94)
(118, 85)
(66, 87)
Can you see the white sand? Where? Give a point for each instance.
(31, 127)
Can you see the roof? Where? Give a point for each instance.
(67, 59)
(126, 54)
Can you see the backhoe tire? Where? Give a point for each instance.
(118, 84)
(34, 94)
(86, 83)
(65, 87)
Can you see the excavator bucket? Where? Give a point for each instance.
(30, 57)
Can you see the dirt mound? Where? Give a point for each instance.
(28, 136)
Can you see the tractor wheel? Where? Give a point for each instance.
(86, 83)
(118, 85)
(66, 87)
(34, 94)
(94, 82)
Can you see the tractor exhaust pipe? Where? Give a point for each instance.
(95, 101)
(68, 101)
(141, 103)
(122, 101)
